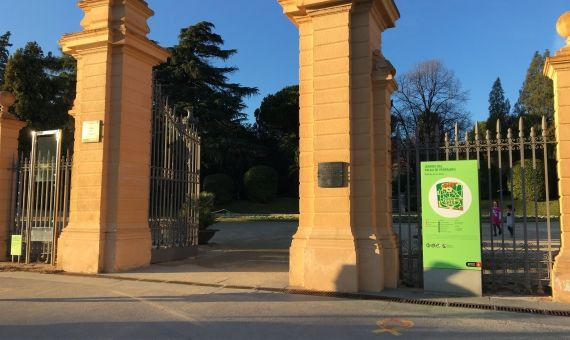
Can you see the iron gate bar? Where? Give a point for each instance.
(547, 193)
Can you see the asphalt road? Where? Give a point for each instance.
(39, 306)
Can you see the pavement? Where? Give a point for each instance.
(237, 288)
(255, 255)
(43, 306)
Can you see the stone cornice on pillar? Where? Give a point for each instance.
(383, 70)
(117, 23)
(385, 11)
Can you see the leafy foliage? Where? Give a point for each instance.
(261, 183)
(206, 205)
(222, 186)
(534, 180)
(4, 53)
(44, 88)
(277, 125)
(536, 97)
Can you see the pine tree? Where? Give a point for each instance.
(195, 82)
(499, 107)
(536, 97)
(4, 53)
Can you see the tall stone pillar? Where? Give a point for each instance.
(108, 228)
(345, 240)
(10, 128)
(558, 69)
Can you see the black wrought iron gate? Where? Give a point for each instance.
(516, 171)
(174, 183)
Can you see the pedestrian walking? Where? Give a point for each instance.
(511, 219)
(496, 218)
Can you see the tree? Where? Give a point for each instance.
(44, 88)
(4, 53)
(499, 108)
(193, 82)
(279, 112)
(429, 99)
(277, 125)
(536, 97)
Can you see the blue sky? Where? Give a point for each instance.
(478, 39)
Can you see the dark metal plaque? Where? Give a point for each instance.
(332, 175)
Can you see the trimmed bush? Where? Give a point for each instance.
(206, 204)
(260, 183)
(531, 185)
(222, 186)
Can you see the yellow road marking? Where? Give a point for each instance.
(393, 326)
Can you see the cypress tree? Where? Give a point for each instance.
(499, 107)
(536, 98)
(4, 53)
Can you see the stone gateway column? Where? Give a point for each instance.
(108, 228)
(10, 127)
(345, 240)
(558, 69)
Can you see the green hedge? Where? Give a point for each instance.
(222, 186)
(532, 186)
(260, 184)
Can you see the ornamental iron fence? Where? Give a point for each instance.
(513, 171)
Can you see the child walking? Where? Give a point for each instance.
(496, 218)
(510, 219)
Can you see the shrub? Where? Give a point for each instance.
(532, 186)
(260, 183)
(222, 186)
(205, 205)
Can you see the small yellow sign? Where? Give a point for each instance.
(16, 245)
(91, 131)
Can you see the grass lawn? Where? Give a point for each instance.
(281, 209)
(519, 208)
(287, 209)
(281, 205)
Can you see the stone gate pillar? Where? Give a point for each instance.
(558, 69)
(345, 240)
(108, 228)
(10, 127)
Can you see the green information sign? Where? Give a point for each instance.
(450, 215)
(16, 245)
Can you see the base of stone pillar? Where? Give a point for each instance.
(370, 266)
(561, 280)
(327, 265)
(391, 255)
(87, 250)
(297, 262)
(79, 250)
(4, 251)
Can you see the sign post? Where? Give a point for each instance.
(451, 227)
(16, 246)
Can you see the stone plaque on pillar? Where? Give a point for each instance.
(333, 175)
(91, 131)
